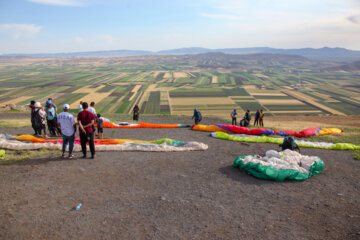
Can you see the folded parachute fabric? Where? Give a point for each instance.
(300, 143)
(262, 131)
(279, 166)
(143, 125)
(29, 142)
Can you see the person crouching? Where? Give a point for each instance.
(86, 121)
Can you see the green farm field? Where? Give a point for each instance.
(175, 87)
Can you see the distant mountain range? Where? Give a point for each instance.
(326, 53)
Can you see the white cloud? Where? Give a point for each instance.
(221, 16)
(17, 31)
(58, 2)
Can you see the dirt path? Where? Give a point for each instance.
(187, 195)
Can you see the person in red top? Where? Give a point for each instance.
(86, 120)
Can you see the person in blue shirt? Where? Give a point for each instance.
(50, 117)
(197, 116)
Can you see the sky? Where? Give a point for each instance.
(51, 26)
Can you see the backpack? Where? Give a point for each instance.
(289, 143)
(37, 120)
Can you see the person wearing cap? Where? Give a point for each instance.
(50, 117)
(86, 121)
(53, 104)
(39, 116)
(233, 117)
(66, 122)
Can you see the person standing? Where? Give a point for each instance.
(39, 119)
(32, 107)
(93, 111)
(92, 108)
(233, 117)
(80, 106)
(50, 116)
(136, 113)
(57, 128)
(197, 116)
(66, 122)
(86, 121)
(99, 121)
(261, 118)
(257, 115)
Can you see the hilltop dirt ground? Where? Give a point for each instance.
(184, 195)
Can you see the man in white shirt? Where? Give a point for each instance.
(80, 106)
(92, 109)
(68, 128)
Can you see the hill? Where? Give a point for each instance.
(325, 53)
(350, 67)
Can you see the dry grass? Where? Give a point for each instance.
(205, 113)
(202, 101)
(15, 123)
(134, 91)
(238, 97)
(308, 99)
(16, 100)
(267, 93)
(167, 75)
(180, 75)
(321, 95)
(13, 156)
(302, 112)
(260, 75)
(246, 100)
(91, 97)
(214, 79)
(280, 102)
(88, 89)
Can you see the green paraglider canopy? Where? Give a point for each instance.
(279, 169)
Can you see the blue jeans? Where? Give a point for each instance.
(69, 140)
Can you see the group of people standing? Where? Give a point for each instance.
(259, 116)
(44, 116)
(64, 124)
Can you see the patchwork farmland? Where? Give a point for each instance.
(165, 87)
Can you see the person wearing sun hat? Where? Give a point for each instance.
(39, 116)
(66, 122)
